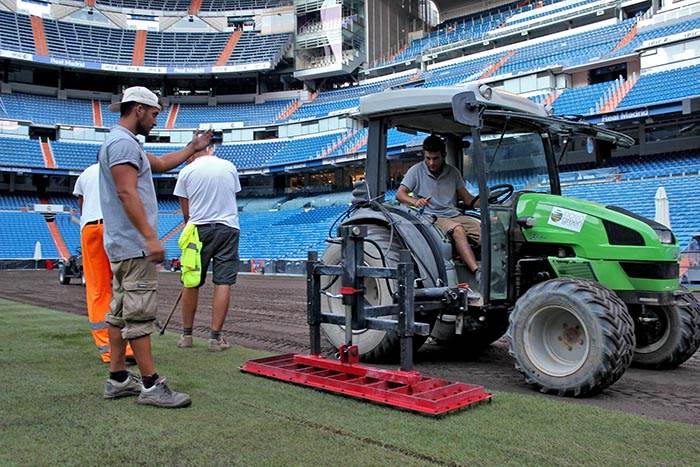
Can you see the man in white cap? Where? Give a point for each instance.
(130, 214)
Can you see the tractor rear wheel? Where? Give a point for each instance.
(380, 251)
(667, 335)
(571, 337)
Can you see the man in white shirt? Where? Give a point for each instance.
(207, 190)
(96, 268)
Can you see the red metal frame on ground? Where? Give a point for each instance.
(406, 390)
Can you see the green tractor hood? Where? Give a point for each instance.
(622, 250)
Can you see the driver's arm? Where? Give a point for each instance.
(403, 197)
(467, 198)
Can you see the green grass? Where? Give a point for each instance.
(52, 412)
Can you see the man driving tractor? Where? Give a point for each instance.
(436, 186)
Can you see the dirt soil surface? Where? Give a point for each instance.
(269, 313)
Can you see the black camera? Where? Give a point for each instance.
(217, 137)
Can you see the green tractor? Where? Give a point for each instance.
(581, 289)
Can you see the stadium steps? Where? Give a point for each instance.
(39, 36)
(58, 239)
(549, 100)
(338, 143)
(172, 116)
(618, 94)
(289, 110)
(418, 75)
(139, 48)
(176, 230)
(96, 113)
(359, 144)
(627, 38)
(194, 7)
(47, 152)
(494, 68)
(297, 104)
(228, 48)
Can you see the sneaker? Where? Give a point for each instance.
(160, 395)
(131, 386)
(185, 342)
(217, 345)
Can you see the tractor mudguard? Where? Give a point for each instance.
(413, 234)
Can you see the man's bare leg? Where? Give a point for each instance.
(190, 297)
(465, 251)
(117, 349)
(222, 297)
(144, 358)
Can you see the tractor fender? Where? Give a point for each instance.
(420, 238)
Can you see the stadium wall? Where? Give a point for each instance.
(449, 10)
(388, 23)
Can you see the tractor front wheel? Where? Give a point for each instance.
(571, 337)
(667, 335)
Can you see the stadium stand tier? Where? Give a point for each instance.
(98, 44)
(183, 5)
(190, 115)
(663, 86)
(292, 224)
(19, 234)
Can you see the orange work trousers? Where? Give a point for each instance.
(98, 286)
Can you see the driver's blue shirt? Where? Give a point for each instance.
(442, 190)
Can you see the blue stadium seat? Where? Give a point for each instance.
(20, 232)
(19, 152)
(46, 110)
(191, 116)
(663, 86)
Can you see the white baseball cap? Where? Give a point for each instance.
(136, 94)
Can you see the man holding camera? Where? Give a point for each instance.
(207, 190)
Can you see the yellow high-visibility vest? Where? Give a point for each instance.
(190, 259)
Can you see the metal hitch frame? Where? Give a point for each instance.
(403, 388)
(352, 273)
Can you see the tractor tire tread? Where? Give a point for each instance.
(616, 323)
(689, 315)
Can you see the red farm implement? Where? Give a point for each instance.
(403, 388)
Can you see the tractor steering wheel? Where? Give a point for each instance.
(498, 194)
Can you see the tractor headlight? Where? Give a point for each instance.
(485, 91)
(665, 236)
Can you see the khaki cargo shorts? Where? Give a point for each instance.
(471, 226)
(134, 297)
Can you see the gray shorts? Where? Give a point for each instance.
(134, 297)
(220, 246)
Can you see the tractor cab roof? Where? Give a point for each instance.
(431, 109)
(447, 111)
(406, 101)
